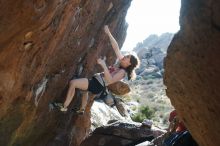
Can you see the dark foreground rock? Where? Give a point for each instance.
(119, 134)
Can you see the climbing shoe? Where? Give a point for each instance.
(57, 105)
(63, 109)
(78, 111)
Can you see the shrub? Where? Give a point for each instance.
(144, 113)
(134, 108)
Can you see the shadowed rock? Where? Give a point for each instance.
(43, 44)
(118, 134)
(192, 72)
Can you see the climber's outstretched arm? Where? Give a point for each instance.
(113, 43)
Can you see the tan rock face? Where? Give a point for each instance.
(119, 88)
(192, 72)
(42, 45)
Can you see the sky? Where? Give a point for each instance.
(145, 17)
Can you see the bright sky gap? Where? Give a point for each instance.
(147, 17)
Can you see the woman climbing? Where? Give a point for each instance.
(127, 64)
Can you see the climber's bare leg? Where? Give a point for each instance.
(81, 83)
(84, 100)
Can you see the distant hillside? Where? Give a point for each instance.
(155, 41)
(148, 88)
(151, 53)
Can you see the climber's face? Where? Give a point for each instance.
(125, 61)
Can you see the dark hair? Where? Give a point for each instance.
(130, 69)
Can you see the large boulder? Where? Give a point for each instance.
(119, 134)
(192, 72)
(43, 44)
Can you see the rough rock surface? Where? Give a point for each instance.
(43, 44)
(118, 134)
(119, 88)
(192, 72)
